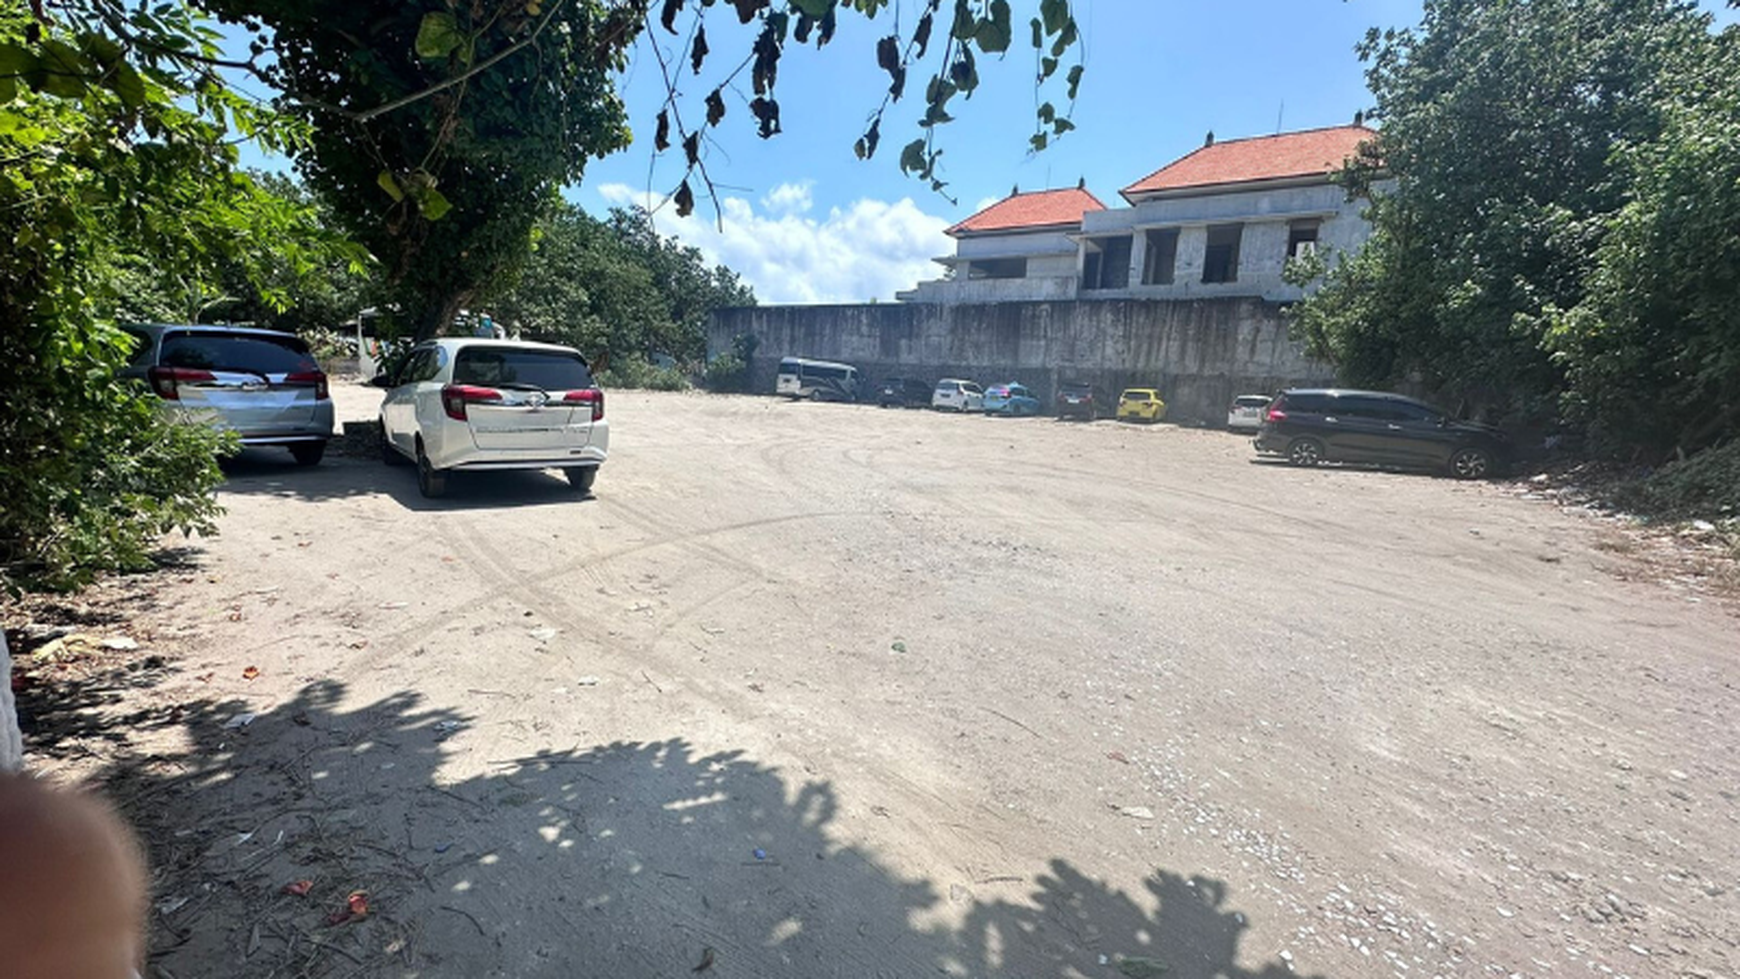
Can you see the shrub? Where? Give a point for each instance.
(725, 373)
(1706, 486)
(635, 371)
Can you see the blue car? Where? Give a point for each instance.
(1010, 399)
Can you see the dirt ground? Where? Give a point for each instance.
(822, 690)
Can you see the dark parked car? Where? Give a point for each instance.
(903, 392)
(1079, 401)
(1378, 428)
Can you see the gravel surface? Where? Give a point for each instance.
(823, 690)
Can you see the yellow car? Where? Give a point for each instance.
(1141, 404)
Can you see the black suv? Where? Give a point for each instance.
(903, 392)
(1378, 428)
(1078, 401)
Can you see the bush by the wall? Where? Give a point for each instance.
(637, 372)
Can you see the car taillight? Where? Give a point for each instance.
(454, 398)
(166, 380)
(316, 378)
(1276, 415)
(591, 396)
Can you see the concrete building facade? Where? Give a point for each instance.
(1219, 222)
(1020, 248)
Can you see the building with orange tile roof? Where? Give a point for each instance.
(1220, 221)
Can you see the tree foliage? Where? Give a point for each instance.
(616, 288)
(118, 155)
(1506, 127)
(442, 131)
(1652, 352)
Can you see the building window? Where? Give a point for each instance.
(1220, 262)
(998, 268)
(1160, 258)
(1108, 263)
(1302, 238)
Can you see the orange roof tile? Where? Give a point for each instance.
(1302, 154)
(1032, 210)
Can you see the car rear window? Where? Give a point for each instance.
(550, 370)
(1253, 401)
(246, 352)
(1135, 396)
(1313, 403)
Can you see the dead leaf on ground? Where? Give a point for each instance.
(707, 955)
(360, 644)
(1119, 757)
(251, 673)
(298, 888)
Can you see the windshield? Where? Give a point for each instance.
(246, 352)
(510, 367)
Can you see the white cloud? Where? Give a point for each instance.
(866, 250)
(788, 198)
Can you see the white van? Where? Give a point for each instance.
(817, 380)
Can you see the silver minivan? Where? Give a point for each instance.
(263, 385)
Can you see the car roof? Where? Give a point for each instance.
(161, 328)
(1350, 392)
(459, 343)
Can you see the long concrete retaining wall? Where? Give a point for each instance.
(1199, 353)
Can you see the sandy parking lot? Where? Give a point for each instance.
(824, 690)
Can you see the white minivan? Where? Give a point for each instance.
(480, 403)
(954, 394)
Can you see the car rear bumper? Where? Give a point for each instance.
(283, 439)
(485, 460)
(1269, 443)
(315, 426)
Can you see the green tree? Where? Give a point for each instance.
(1652, 352)
(1500, 121)
(442, 131)
(616, 288)
(320, 295)
(118, 156)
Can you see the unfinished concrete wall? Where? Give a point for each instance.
(1200, 354)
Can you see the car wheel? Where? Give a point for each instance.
(582, 478)
(1470, 464)
(308, 453)
(431, 482)
(815, 394)
(1305, 452)
(390, 455)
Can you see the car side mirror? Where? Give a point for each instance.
(1443, 421)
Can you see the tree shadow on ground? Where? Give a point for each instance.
(359, 472)
(619, 860)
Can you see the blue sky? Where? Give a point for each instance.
(806, 221)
